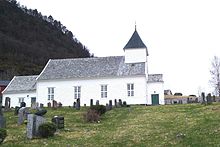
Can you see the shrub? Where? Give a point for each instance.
(100, 109)
(3, 134)
(91, 116)
(47, 129)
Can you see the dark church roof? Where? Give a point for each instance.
(135, 41)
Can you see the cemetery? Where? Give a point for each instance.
(116, 124)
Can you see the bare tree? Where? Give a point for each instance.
(215, 74)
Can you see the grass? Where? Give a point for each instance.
(169, 125)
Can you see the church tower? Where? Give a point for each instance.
(135, 50)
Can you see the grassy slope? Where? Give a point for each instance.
(135, 126)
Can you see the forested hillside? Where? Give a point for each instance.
(28, 40)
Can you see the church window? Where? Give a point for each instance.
(77, 92)
(103, 91)
(130, 89)
(50, 93)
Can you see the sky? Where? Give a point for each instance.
(182, 36)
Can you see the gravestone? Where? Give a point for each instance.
(60, 105)
(22, 104)
(78, 104)
(49, 105)
(110, 104)
(91, 102)
(34, 105)
(115, 102)
(7, 103)
(74, 105)
(41, 112)
(97, 102)
(22, 115)
(107, 107)
(54, 104)
(58, 121)
(203, 98)
(120, 102)
(209, 98)
(33, 123)
(16, 110)
(2, 118)
(41, 105)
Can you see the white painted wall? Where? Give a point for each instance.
(135, 55)
(91, 89)
(15, 97)
(155, 88)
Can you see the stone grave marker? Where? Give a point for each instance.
(54, 104)
(49, 105)
(2, 118)
(41, 105)
(97, 102)
(91, 102)
(110, 104)
(60, 105)
(22, 115)
(58, 121)
(78, 104)
(7, 103)
(115, 102)
(120, 102)
(74, 105)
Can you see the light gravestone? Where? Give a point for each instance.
(33, 123)
(22, 115)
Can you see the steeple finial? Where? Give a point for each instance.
(135, 26)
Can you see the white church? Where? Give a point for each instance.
(99, 78)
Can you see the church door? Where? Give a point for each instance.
(155, 99)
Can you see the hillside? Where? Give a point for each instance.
(28, 39)
(169, 125)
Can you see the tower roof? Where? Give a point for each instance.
(135, 41)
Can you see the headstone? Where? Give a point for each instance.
(60, 104)
(54, 104)
(41, 112)
(58, 121)
(203, 97)
(107, 107)
(110, 104)
(209, 98)
(34, 105)
(7, 103)
(41, 105)
(49, 105)
(97, 102)
(2, 118)
(74, 105)
(91, 102)
(16, 110)
(33, 123)
(115, 103)
(120, 102)
(78, 104)
(22, 115)
(22, 104)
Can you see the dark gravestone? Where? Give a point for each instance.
(74, 105)
(22, 104)
(110, 104)
(41, 105)
(2, 118)
(78, 104)
(49, 105)
(58, 121)
(54, 104)
(209, 98)
(115, 103)
(91, 102)
(16, 110)
(60, 105)
(97, 102)
(41, 112)
(120, 102)
(203, 98)
(7, 103)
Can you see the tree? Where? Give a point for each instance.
(215, 74)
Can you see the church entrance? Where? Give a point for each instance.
(155, 99)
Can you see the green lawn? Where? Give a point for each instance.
(170, 125)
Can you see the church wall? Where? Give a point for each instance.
(155, 88)
(91, 89)
(15, 97)
(135, 55)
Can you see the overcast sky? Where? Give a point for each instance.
(182, 36)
